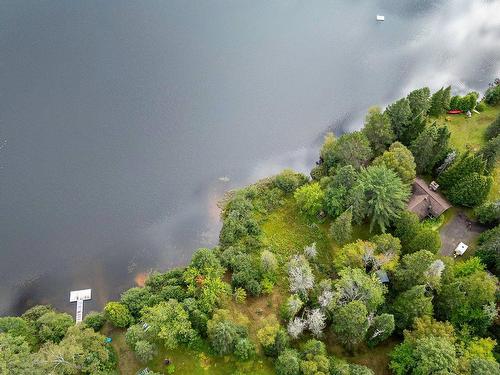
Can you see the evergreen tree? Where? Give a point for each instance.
(379, 195)
(436, 108)
(401, 116)
(420, 101)
(341, 228)
(378, 130)
(491, 152)
(465, 182)
(493, 129)
(429, 147)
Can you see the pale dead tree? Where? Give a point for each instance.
(310, 251)
(294, 304)
(325, 298)
(296, 327)
(349, 292)
(300, 275)
(433, 273)
(316, 322)
(447, 161)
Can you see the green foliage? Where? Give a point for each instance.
(267, 336)
(434, 355)
(440, 102)
(465, 182)
(238, 222)
(240, 295)
(399, 159)
(350, 324)
(493, 129)
(94, 320)
(289, 181)
(468, 298)
(413, 303)
(489, 249)
(413, 270)
(414, 236)
(36, 312)
(355, 285)
(401, 116)
(209, 289)
(244, 349)
(81, 351)
(169, 323)
(52, 326)
(430, 147)
(488, 213)
(246, 274)
(207, 263)
(492, 95)
(19, 327)
(387, 250)
(349, 149)
(490, 152)
(144, 350)
(420, 101)
(118, 314)
(288, 363)
(341, 228)
(379, 195)
(337, 195)
(224, 334)
(134, 299)
(380, 329)
(378, 130)
(464, 103)
(352, 255)
(15, 356)
(310, 199)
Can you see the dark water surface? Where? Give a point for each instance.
(117, 118)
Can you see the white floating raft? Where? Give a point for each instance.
(380, 18)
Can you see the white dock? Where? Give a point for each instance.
(380, 18)
(79, 296)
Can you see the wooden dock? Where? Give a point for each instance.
(79, 296)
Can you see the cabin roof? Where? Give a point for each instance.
(424, 201)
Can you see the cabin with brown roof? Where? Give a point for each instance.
(425, 201)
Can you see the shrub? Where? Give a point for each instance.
(53, 326)
(117, 314)
(289, 181)
(244, 349)
(288, 363)
(310, 199)
(94, 320)
(488, 213)
(493, 129)
(492, 95)
(240, 295)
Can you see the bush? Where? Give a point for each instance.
(492, 95)
(288, 363)
(289, 181)
(94, 320)
(480, 107)
(493, 129)
(488, 213)
(310, 199)
(135, 299)
(244, 349)
(52, 326)
(117, 314)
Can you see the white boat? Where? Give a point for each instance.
(380, 18)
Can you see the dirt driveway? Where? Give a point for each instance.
(456, 231)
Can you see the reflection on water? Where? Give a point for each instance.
(120, 121)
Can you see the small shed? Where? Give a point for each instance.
(460, 249)
(382, 276)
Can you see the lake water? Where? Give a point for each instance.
(118, 119)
